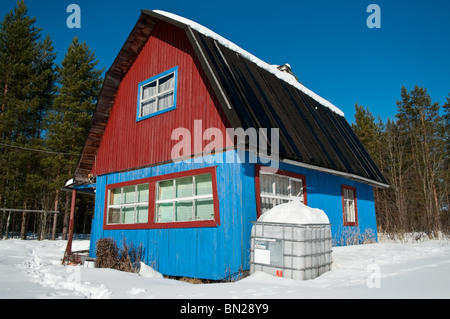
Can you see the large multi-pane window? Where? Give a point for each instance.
(349, 206)
(157, 94)
(128, 204)
(278, 189)
(184, 199)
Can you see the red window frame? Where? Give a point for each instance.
(259, 168)
(151, 224)
(345, 222)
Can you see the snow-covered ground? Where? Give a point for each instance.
(32, 269)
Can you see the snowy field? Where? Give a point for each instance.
(32, 270)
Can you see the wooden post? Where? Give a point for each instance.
(55, 217)
(72, 214)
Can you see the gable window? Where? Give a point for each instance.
(276, 189)
(128, 205)
(350, 211)
(185, 199)
(157, 94)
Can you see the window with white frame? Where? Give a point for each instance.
(128, 205)
(184, 199)
(279, 189)
(349, 205)
(157, 94)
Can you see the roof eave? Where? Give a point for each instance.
(123, 62)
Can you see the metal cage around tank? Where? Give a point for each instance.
(296, 251)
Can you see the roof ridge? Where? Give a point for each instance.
(288, 78)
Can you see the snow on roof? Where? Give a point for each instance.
(294, 212)
(288, 78)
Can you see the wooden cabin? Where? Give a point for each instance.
(168, 174)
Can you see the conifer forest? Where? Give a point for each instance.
(46, 110)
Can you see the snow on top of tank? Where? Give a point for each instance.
(294, 212)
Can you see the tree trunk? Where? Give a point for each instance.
(23, 227)
(7, 226)
(55, 216)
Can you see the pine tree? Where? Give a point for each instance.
(68, 123)
(368, 132)
(372, 136)
(418, 117)
(27, 78)
(446, 168)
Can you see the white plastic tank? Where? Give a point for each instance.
(293, 241)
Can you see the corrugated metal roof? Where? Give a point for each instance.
(251, 97)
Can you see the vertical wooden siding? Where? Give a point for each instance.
(128, 144)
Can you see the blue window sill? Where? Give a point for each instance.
(155, 114)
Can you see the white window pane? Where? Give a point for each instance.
(142, 193)
(142, 214)
(113, 215)
(129, 195)
(204, 209)
(165, 212)
(266, 184)
(347, 211)
(203, 185)
(148, 107)
(349, 194)
(184, 187)
(281, 185)
(149, 90)
(297, 189)
(183, 211)
(128, 215)
(350, 211)
(115, 196)
(165, 190)
(166, 83)
(165, 101)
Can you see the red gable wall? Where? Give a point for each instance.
(128, 144)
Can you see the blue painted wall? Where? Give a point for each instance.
(204, 252)
(224, 251)
(324, 192)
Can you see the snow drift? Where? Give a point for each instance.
(149, 272)
(31, 269)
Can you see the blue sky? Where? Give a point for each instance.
(326, 42)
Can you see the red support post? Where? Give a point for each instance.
(71, 222)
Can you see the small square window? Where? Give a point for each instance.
(157, 94)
